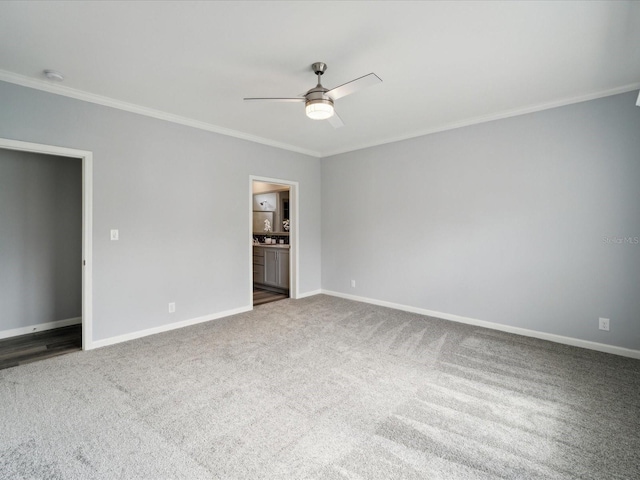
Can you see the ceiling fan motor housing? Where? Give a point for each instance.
(318, 95)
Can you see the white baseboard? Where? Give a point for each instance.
(309, 294)
(40, 327)
(165, 328)
(185, 323)
(575, 342)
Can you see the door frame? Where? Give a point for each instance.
(294, 286)
(87, 221)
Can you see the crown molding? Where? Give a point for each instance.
(58, 89)
(495, 116)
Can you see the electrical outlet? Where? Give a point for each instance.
(114, 235)
(172, 307)
(353, 284)
(603, 324)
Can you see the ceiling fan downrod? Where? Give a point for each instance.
(319, 68)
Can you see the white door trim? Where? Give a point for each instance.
(87, 222)
(294, 286)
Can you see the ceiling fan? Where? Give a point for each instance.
(319, 100)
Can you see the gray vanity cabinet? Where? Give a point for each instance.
(283, 268)
(271, 267)
(276, 268)
(258, 265)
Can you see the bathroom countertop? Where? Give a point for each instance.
(271, 245)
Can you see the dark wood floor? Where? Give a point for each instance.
(40, 345)
(261, 296)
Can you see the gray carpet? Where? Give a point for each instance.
(323, 388)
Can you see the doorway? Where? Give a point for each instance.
(273, 239)
(84, 264)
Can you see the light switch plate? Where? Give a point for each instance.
(114, 234)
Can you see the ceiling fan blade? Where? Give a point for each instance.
(335, 120)
(296, 99)
(354, 85)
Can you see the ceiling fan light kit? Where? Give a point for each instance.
(319, 109)
(319, 100)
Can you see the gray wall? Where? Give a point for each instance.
(40, 239)
(180, 198)
(504, 221)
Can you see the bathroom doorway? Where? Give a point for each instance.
(274, 252)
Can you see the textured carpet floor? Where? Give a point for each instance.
(323, 388)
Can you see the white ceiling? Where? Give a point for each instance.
(443, 64)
